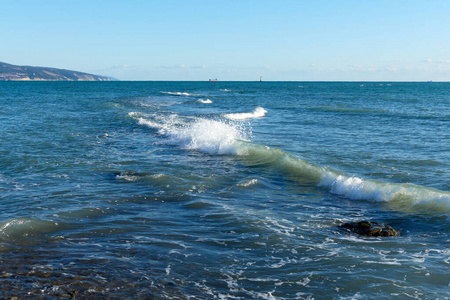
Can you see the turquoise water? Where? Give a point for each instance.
(223, 190)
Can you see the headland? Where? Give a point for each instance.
(10, 72)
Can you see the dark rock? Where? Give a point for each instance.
(372, 229)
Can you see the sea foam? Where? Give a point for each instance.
(205, 135)
(207, 101)
(259, 112)
(208, 136)
(178, 94)
(402, 195)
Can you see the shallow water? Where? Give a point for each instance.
(228, 190)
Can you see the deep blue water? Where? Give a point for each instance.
(223, 190)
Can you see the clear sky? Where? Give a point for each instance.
(381, 40)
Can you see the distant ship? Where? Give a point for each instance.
(213, 79)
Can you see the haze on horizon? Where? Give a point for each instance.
(294, 40)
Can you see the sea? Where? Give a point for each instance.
(224, 190)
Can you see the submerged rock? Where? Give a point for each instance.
(373, 229)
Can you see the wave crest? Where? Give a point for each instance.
(205, 135)
(405, 196)
(20, 228)
(222, 137)
(259, 112)
(400, 196)
(207, 101)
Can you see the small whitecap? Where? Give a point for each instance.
(247, 183)
(178, 94)
(259, 112)
(207, 101)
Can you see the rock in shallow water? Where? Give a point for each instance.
(372, 229)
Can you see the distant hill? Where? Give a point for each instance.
(27, 73)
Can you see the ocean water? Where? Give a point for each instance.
(223, 190)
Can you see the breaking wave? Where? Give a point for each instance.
(227, 137)
(400, 196)
(403, 195)
(205, 135)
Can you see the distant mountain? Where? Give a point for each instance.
(27, 73)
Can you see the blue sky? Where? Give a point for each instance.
(363, 40)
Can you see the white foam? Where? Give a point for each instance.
(401, 196)
(210, 136)
(133, 114)
(215, 137)
(259, 112)
(207, 101)
(168, 269)
(247, 183)
(164, 124)
(127, 177)
(149, 123)
(405, 195)
(178, 94)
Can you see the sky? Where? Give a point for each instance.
(282, 40)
